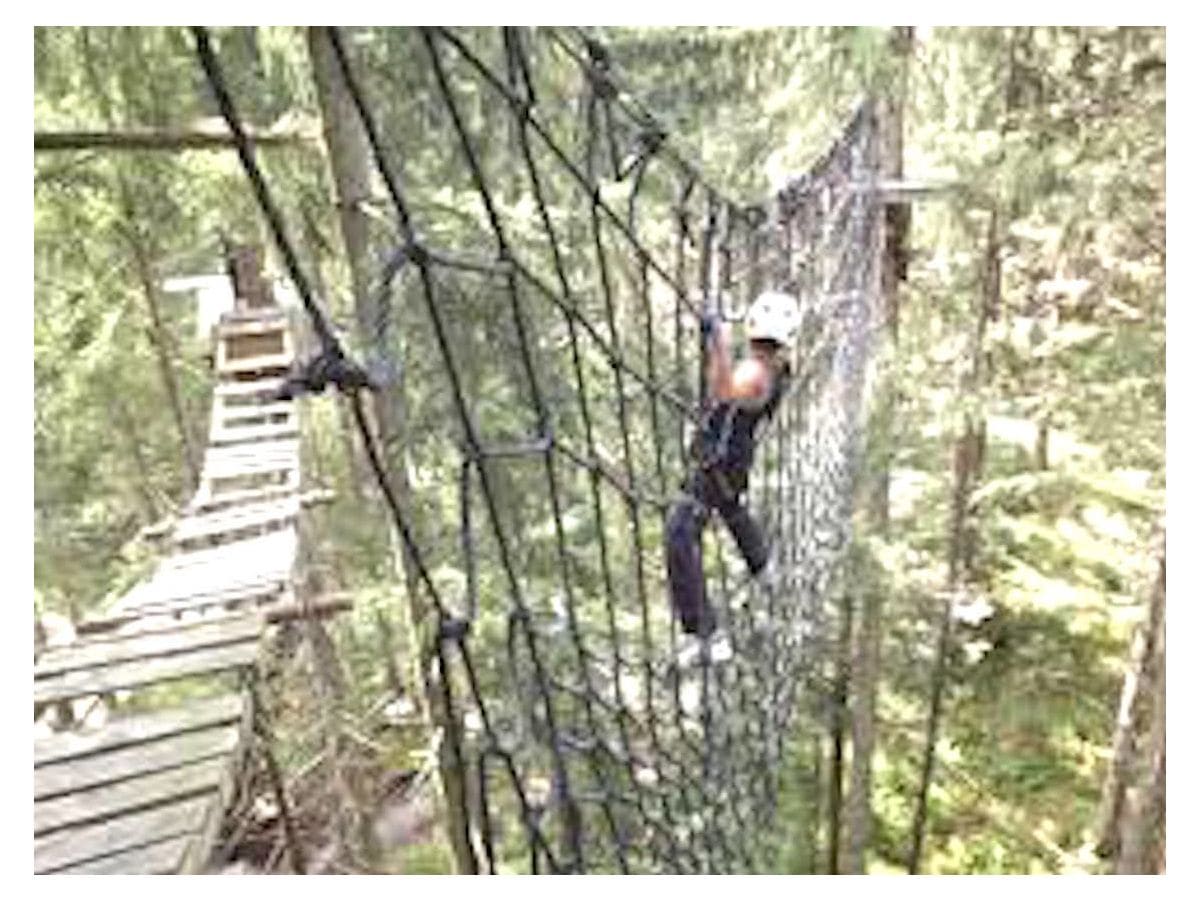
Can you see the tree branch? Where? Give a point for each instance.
(169, 139)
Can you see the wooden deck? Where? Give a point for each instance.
(147, 793)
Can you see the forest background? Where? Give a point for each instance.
(991, 712)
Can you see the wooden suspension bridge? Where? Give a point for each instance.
(149, 792)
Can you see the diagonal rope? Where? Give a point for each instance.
(585, 746)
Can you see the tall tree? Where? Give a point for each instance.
(1133, 806)
(349, 157)
(837, 724)
(869, 633)
(141, 246)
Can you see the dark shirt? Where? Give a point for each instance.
(730, 428)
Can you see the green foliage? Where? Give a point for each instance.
(1061, 131)
(421, 859)
(1034, 123)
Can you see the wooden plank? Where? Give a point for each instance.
(244, 389)
(250, 434)
(198, 715)
(234, 483)
(228, 495)
(155, 620)
(228, 415)
(253, 345)
(127, 797)
(186, 638)
(243, 411)
(236, 465)
(264, 555)
(221, 535)
(128, 628)
(134, 760)
(241, 517)
(266, 592)
(139, 673)
(219, 484)
(161, 592)
(271, 363)
(230, 459)
(200, 851)
(143, 621)
(272, 321)
(232, 587)
(161, 858)
(241, 460)
(238, 458)
(250, 467)
(77, 845)
(230, 499)
(283, 448)
(261, 546)
(249, 421)
(252, 313)
(207, 575)
(210, 607)
(266, 510)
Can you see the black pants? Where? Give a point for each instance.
(706, 491)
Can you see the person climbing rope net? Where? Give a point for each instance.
(742, 399)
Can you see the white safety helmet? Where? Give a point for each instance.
(773, 316)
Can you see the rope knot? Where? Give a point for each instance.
(416, 253)
(454, 628)
(316, 374)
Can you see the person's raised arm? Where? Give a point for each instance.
(748, 382)
(719, 370)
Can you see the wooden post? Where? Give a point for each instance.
(251, 290)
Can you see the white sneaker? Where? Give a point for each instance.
(719, 648)
(693, 650)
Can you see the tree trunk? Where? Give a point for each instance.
(862, 728)
(351, 167)
(969, 451)
(350, 163)
(1041, 453)
(867, 647)
(162, 346)
(1113, 796)
(1133, 805)
(814, 830)
(142, 249)
(1143, 830)
(837, 728)
(142, 476)
(967, 464)
(172, 140)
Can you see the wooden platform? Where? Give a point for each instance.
(143, 795)
(147, 793)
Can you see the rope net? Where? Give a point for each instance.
(536, 310)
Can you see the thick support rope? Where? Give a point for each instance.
(585, 251)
